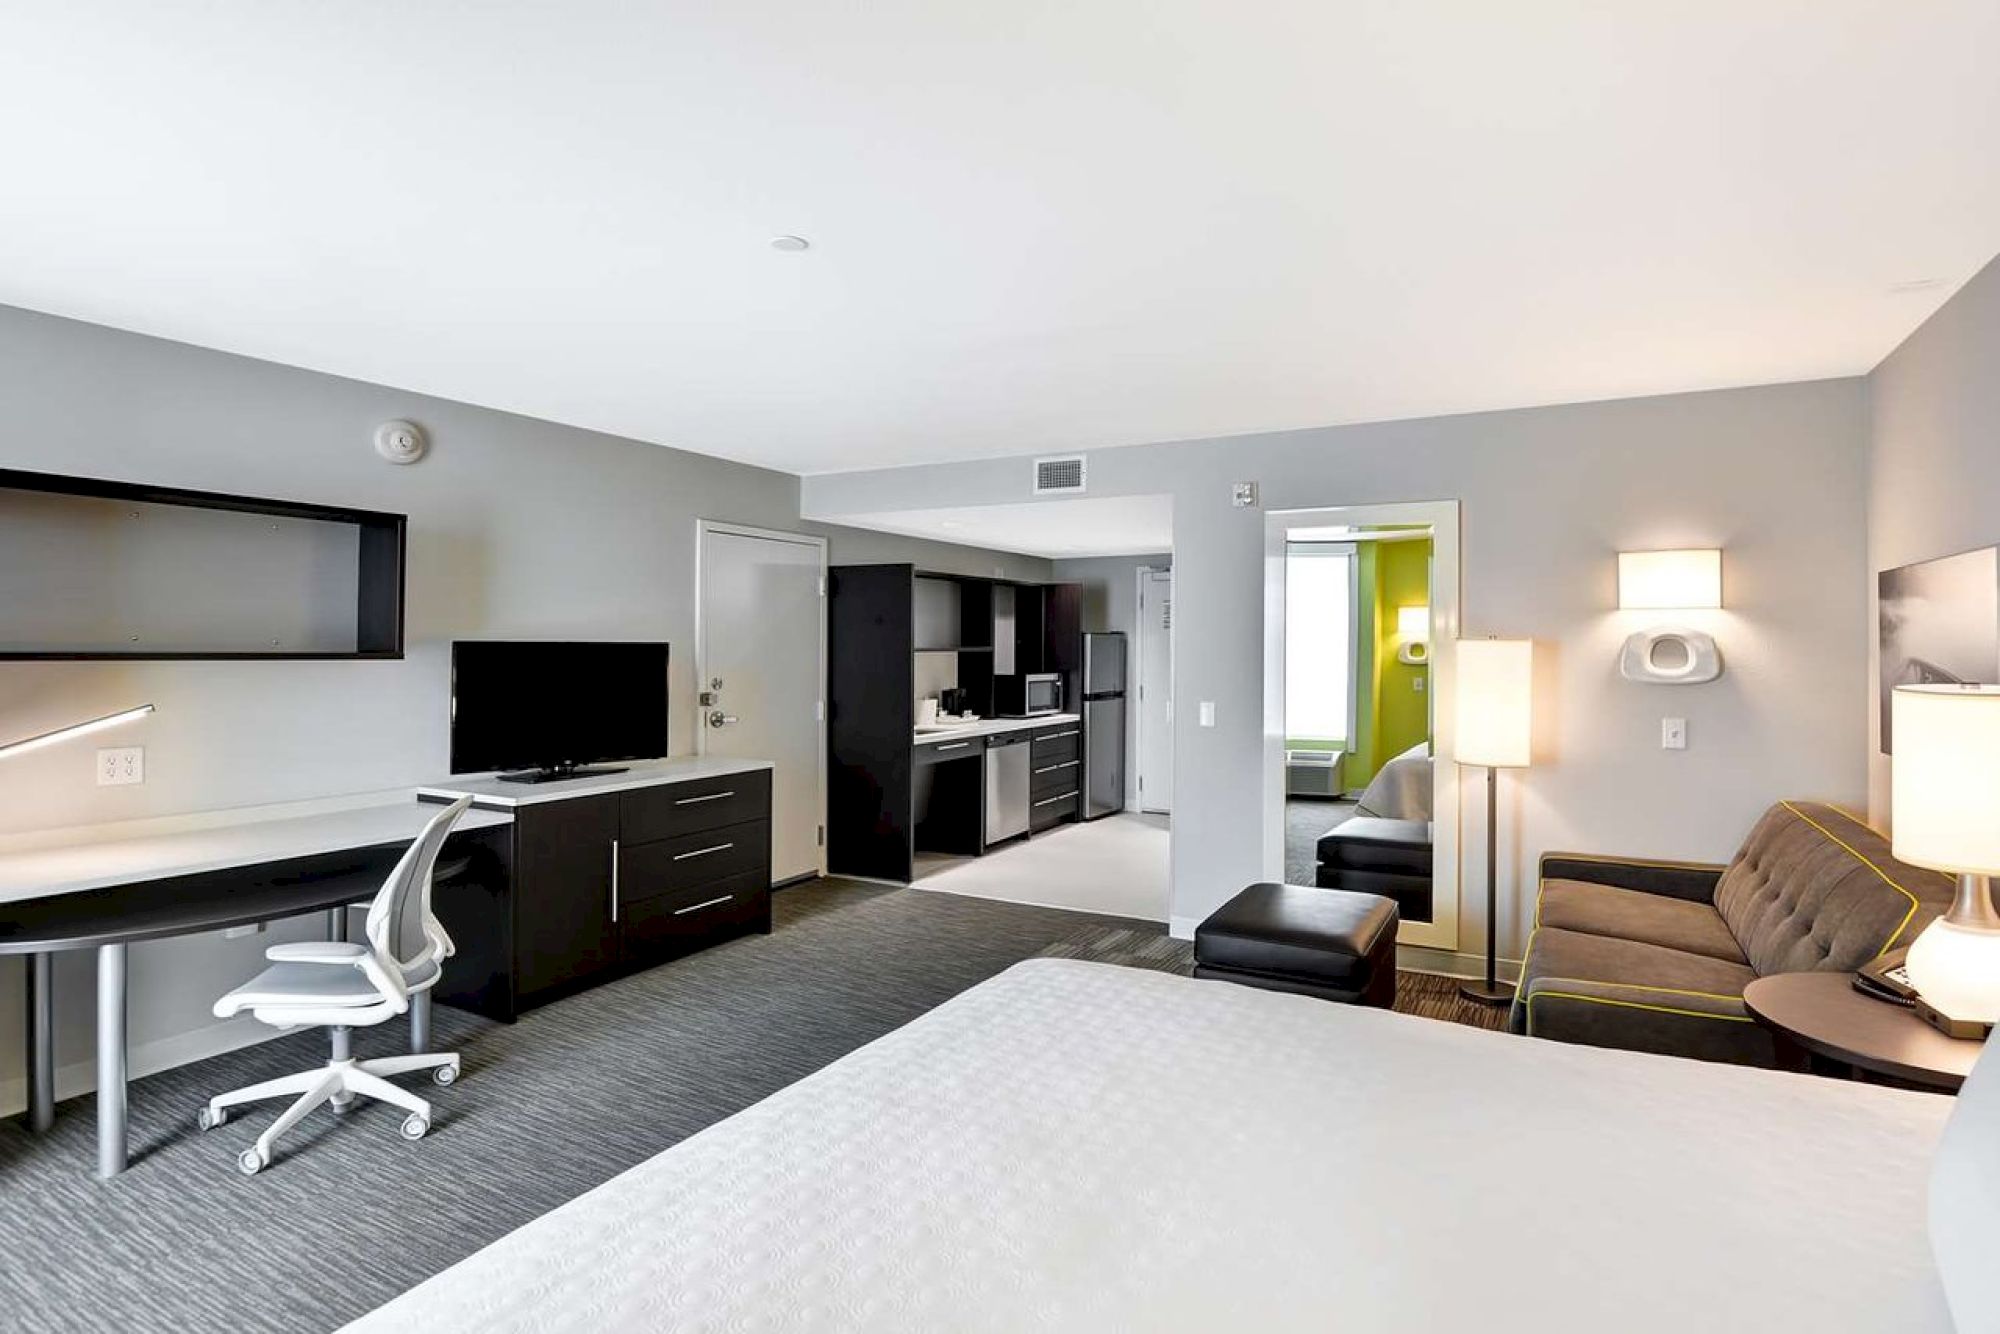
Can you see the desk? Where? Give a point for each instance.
(108, 887)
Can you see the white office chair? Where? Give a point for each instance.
(343, 986)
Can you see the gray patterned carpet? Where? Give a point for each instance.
(1305, 820)
(348, 1214)
(1424, 994)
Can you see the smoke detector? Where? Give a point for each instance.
(1059, 477)
(400, 441)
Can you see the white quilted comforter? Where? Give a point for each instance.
(1073, 1146)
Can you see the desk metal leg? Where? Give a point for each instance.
(336, 923)
(420, 1023)
(41, 1042)
(110, 1060)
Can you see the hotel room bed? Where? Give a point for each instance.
(1074, 1146)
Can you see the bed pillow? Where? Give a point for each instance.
(1965, 1200)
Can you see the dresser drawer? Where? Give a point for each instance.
(655, 925)
(706, 803)
(1064, 742)
(1046, 778)
(1052, 810)
(669, 865)
(960, 748)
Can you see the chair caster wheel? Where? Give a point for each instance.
(414, 1126)
(208, 1118)
(445, 1074)
(250, 1162)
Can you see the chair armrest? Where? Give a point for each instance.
(1693, 881)
(317, 951)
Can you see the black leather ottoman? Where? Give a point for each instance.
(1330, 943)
(1373, 855)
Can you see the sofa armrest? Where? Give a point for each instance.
(1693, 881)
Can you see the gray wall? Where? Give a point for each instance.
(1934, 457)
(518, 527)
(1111, 602)
(1773, 475)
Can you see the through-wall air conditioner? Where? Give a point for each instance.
(1059, 477)
(1312, 773)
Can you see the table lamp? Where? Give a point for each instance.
(1495, 694)
(1945, 804)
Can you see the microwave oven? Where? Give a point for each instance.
(1028, 695)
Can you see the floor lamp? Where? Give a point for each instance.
(1495, 693)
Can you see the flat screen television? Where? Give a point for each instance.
(547, 710)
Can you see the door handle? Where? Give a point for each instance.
(720, 719)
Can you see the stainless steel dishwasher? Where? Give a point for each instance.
(1006, 786)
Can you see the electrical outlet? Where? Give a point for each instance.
(238, 932)
(118, 766)
(1673, 734)
(1207, 713)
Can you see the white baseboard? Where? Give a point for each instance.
(1446, 963)
(1182, 928)
(147, 1058)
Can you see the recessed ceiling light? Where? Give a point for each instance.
(793, 243)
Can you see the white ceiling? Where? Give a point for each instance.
(1034, 226)
(1113, 526)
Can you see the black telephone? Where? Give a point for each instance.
(1885, 979)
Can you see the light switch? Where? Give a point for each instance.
(1208, 713)
(1673, 734)
(1417, 684)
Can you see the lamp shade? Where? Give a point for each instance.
(1669, 580)
(1945, 793)
(1495, 694)
(1413, 623)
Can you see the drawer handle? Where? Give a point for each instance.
(1053, 800)
(1057, 736)
(710, 903)
(703, 852)
(696, 801)
(956, 745)
(614, 879)
(1067, 764)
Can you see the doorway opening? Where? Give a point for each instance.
(1360, 615)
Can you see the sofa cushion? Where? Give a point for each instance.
(1329, 936)
(1606, 992)
(1630, 914)
(1813, 887)
(1371, 843)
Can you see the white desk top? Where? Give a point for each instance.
(993, 726)
(99, 856)
(488, 790)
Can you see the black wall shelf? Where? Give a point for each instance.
(100, 570)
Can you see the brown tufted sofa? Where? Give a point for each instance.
(1654, 956)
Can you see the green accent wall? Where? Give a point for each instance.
(1390, 713)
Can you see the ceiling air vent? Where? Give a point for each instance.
(1054, 477)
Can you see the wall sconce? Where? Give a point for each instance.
(1413, 631)
(1689, 580)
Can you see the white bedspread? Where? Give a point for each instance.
(1075, 1146)
(1401, 789)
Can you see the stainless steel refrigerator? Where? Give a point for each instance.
(1103, 710)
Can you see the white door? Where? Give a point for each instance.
(1156, 690)
(760, 675)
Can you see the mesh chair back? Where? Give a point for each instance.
(401, 928)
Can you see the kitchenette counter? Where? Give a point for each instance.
(992, 727)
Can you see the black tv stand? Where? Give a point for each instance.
(559, 772)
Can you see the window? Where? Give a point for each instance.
(1319, 641)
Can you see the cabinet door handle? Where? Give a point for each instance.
(695, 801)
(697, 907)
(1056, 736)
(1066, 764)
(614, 879)
(703, 852)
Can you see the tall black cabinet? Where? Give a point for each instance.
(879, 618)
